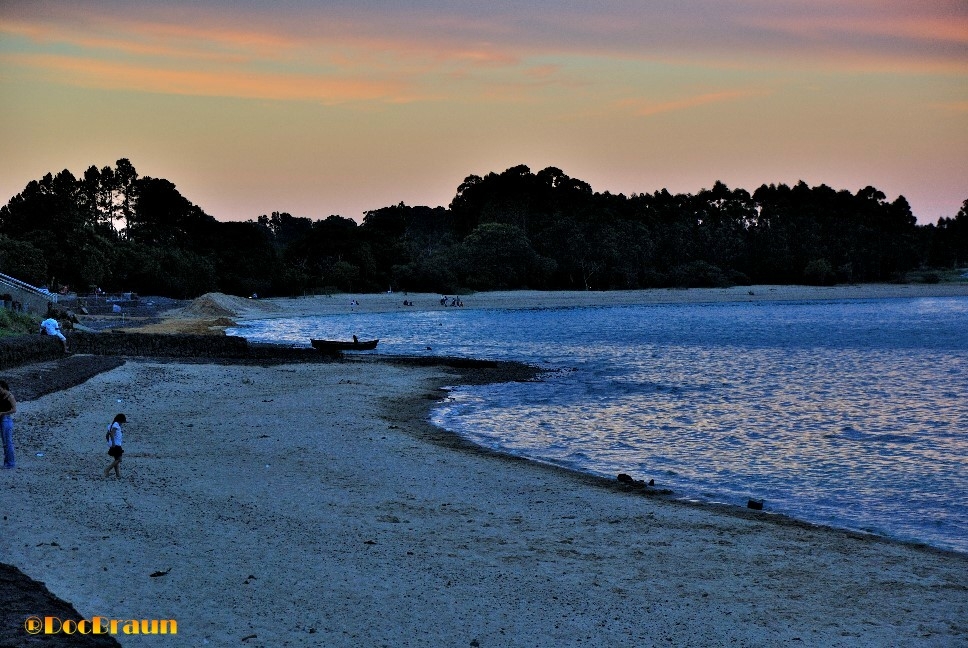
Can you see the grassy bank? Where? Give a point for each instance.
(12, 323)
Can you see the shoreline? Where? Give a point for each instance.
(524, 299)
(215, 312)
(397, 539)
(245, 310)
(339, 305)
(453, 441)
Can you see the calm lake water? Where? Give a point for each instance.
(851, 413)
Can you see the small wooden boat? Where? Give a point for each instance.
(335, 346)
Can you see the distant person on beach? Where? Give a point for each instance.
(114, 439)
(8, 406)
(50, 327)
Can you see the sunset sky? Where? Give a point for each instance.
(338, 107)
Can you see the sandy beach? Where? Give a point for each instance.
(214, 313)
(314, 505)
(388, 302)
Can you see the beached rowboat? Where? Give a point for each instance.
(333, 346)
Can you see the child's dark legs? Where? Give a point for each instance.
(116, 466)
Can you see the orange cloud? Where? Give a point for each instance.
(129, 76)
(865, 34)
(543, 71)
(251, 62)
(120, 39)
(326, 55)
(953, 106)
(205, 39)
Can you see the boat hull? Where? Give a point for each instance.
(335, 346)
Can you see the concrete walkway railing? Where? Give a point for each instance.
(33, 298)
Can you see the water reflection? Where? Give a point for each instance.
(851, 413)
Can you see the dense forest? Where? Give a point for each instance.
(116, 230)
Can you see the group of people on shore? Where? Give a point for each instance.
(8, 407)
(444, 301)
(454, 301)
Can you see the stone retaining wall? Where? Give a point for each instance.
(158, 344)
(24, 349)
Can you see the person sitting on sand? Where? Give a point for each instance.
(51, 327)
(114, 439)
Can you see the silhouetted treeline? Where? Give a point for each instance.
(516, 229)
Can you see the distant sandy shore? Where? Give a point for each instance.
(513, 299)
(215, 312)
(314, 505)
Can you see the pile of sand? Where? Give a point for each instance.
(214, 305)
(209, 314)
